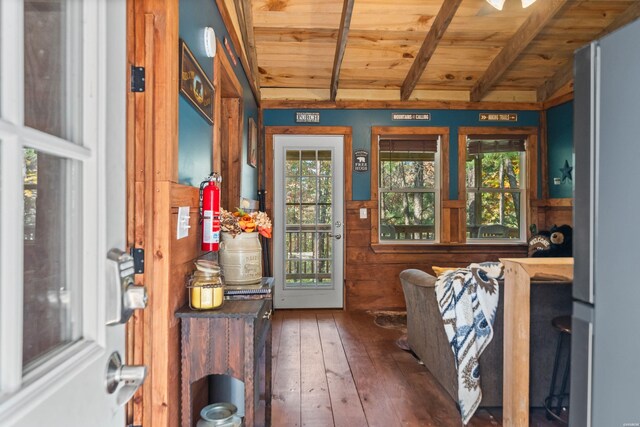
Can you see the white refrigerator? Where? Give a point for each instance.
(605, 349)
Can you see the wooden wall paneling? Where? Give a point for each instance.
(231, 152)
(165, 88)
(217, 111)
(159, 303)
(229, 131)
(261, 149)
(134, 329)
(543, 154)
(348, 166)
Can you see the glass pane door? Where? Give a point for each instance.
(308, 216)
(308, 237)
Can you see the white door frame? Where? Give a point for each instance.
(68, 389)
(309, 298)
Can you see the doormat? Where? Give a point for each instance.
(392, 320)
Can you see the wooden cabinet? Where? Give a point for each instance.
(236, 341)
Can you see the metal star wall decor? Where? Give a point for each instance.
(566, 171)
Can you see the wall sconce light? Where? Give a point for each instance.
(499, 4)
(209, 39)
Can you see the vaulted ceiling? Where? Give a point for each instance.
(432, 50)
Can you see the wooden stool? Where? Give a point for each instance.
(562, 324)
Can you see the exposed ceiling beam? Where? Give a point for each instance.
(343, 34)
(437, 30)
(235, 42)
(245, 19)
(565, 74)
(540, 16)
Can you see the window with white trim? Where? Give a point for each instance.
(495, 184)
(408, 188)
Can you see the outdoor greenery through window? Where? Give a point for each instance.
(495, 188)
(308, 241)
(408, 187)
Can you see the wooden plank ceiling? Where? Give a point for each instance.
(431, 50)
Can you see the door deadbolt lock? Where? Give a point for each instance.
(131, 378)
(123, 296)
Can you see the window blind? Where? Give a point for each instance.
(480, 146)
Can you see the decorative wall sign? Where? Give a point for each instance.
(498, 117)
(232, 55)
(361, 161)
(302, 117)
(252, 140)
(410, 116)
(194, 83)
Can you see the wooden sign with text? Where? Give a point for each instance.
(410, 116)
(498, 117)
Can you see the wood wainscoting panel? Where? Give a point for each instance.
(548, 212)
(372, 270)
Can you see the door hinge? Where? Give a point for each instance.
(138, 260)
(137, 79)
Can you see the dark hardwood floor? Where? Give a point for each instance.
(336, 368)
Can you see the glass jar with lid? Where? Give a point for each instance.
(206, 287)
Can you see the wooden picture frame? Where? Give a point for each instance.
(252, 144)
(195, 85)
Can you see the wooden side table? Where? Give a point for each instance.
(234, 340)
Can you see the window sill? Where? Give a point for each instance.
(453, 248)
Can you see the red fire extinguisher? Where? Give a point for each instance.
(210, 212)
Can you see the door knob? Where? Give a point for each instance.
(336, 236)
(131, 378)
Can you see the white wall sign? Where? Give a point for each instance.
(410, 116)
(302, 117)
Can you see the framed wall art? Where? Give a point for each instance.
(252, 141)
(195, 86)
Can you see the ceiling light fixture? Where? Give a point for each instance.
(498, 4)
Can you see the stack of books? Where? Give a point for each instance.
(264, 289)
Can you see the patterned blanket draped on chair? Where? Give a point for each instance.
(468, 300)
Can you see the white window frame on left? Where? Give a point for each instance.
(16, 388)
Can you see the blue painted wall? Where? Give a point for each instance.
(361, 122)
(560, 148)
(195, 134)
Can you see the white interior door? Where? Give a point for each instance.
(62, 206)
(308, 221)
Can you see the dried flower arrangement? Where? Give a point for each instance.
(242, 222)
